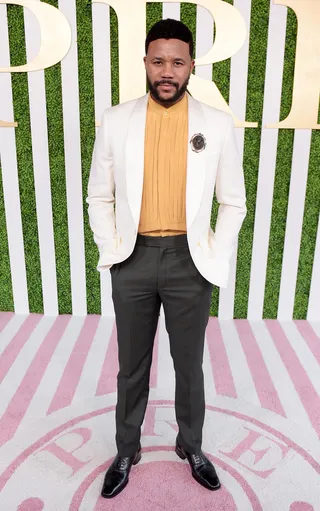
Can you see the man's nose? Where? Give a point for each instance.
(167, 71)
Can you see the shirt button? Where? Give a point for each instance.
(165, 113)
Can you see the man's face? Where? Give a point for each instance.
(168, 66)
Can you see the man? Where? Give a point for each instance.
(158, 158)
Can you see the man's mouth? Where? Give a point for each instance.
(166, 86)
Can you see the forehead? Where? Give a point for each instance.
(168, 48)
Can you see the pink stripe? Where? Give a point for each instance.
(266, 391)
(19, 403)
(32, 504)
(72, 372)
(16, 344)
(4, 319)
(299, 377)
(154, 366)
(222, 374)
(108, 377)
(310, 337)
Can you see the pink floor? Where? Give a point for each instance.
(57, 402)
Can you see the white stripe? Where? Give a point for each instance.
(102, 100)
(209, 384)
(92, 368)
(20, 366)
(10, 330)
(71, 128)
(316, 326)
(281, 379)
(171, 10)
(314, 295)
(204, 41)
(297, 195)
(237, 103)
(107, 307)
(10, 180)
(241, 373)
(39, 133)
(305, 356)
(54, 371)
(267, 159)
(166, 374)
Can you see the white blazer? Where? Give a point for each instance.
(116, 177)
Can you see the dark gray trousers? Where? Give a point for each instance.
(160, 270)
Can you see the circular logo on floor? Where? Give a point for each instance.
(260, 467)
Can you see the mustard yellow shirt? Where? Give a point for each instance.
(163, 207)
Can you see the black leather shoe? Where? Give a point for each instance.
(117, 475)
(202, 469)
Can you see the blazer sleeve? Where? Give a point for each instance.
(230, 193)
(101, 197)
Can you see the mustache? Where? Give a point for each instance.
(165, 83)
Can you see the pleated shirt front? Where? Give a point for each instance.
(163, 207)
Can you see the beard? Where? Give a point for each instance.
(153, 88)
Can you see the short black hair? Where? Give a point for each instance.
(170, 29)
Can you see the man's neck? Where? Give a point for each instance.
(165, 105)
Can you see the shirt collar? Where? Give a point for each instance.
(155, 107)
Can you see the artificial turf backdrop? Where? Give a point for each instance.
(221, 73)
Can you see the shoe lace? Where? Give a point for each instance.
(123, 463)
(198, 459)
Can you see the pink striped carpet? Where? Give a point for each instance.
(57, 402)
